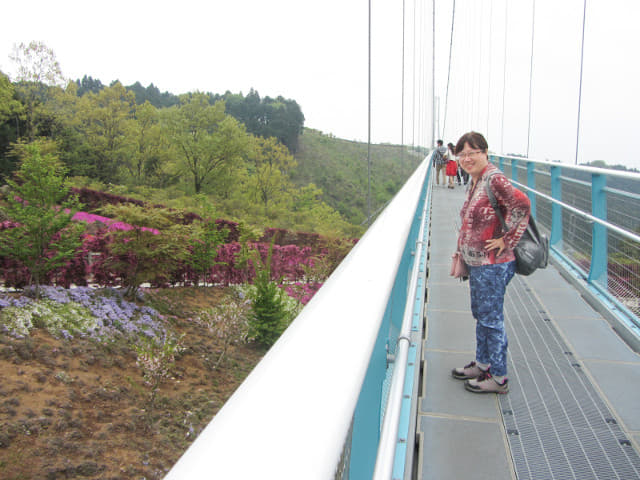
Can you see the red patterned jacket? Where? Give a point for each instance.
(480, 223)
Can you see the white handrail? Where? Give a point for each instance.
(289, 419)
(389, 434)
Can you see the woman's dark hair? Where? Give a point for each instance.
(475, 141)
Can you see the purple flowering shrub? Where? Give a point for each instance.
(103, 315)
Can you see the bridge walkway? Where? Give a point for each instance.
(573, 411)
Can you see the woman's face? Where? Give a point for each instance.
(472, 160)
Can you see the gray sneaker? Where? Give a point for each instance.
(468, 371)
(485, 383)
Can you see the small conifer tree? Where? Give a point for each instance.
(268, 311)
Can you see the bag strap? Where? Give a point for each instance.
(494, 202)
(531, 225)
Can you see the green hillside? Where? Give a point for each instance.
(339, 168)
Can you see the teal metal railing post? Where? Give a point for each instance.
(531, 183)
(514, 169)
(556, 209)
(599, 244)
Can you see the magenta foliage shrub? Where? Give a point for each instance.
(112, 225)
(281, 236)
(233, 266)
(303, 292)
(94, 199)
(14, 273)
(232, 228)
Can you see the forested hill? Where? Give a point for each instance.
(339, 168)
(266, 117)
(244, 158)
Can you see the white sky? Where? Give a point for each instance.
(317, 54)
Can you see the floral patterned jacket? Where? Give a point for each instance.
(480, 223)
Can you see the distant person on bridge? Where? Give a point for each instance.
(488, 253)
(462, 176)
(452, 165)
(440, 161)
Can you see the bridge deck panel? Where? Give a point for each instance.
(574, 382)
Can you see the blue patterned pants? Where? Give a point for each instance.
(488, 284)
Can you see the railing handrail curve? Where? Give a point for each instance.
(291, 416)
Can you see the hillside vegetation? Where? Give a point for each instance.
(152, 248)
(339, 168)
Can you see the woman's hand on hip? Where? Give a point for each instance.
(495, 243)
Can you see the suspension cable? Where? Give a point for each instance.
(433, 74)
(402, 89)
(504, 73)
(369, 129)
(413, 78)
(446, 96)
(489, 70)
(584, 18)
(533, 30)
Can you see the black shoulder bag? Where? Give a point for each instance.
(532, 251)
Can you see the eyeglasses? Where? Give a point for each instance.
(470, 154)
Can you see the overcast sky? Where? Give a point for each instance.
(317, 54)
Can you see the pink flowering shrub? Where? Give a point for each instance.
(303, 292)
(300, 260)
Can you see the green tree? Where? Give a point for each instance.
(150, 150)
(268, 318)
(10, 110)
(88, 84)
(207, 141)
(267, 117)
(204, 247)
(9, 106)
(105, 119)
(311, 214)
(45, 237)
(37, 68)
(150, 249)
(272, 163)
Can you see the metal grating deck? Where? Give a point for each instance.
(557, 424)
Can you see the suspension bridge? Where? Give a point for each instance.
(359, 386)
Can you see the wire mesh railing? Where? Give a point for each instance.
(593, 218)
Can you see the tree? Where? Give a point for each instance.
(269, 316)
(10, 108)
(44, 237)
(37, 68)
(270, 180)
(280, 118)
(106, 121)
(88, 84)
(206, 139)
(205, 241)
(150, 146)
(8, 104)
(147, 248)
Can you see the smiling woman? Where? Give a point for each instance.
(488, 252)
